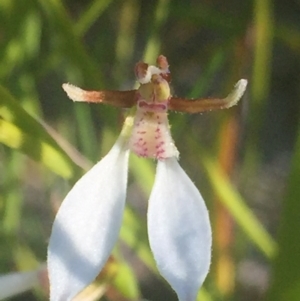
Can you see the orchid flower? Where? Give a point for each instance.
(88, 222)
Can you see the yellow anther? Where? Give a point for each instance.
(161, 88)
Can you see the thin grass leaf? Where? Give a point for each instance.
(35, 148)
(12, 206)
(90, 16)
(263, 18)
(72, 49)
(154, 41)
(21, 131)
(205, 79)
(126, 38)
(204, 295)
(126, 282)
(260, 81)
(236, 205)
(134, 234)
(285, 284)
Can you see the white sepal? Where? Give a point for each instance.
(179, 230)
(87, 225)
(15, 283)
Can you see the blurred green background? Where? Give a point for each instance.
(245, 161)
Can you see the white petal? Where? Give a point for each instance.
(87, 225)
(19, 282)
(179, 230)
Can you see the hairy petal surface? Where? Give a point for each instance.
(87, 225)
(179, 230)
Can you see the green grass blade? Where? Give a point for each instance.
(235, 204)
(90, 16)
(238, 208)
(126, 282)
(285, 284)
(35, 148)
(154, 41)
(21, 131)
(134, 234)
(72, 48)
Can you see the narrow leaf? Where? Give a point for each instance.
(285, 283)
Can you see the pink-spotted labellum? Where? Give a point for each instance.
(87, 224)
